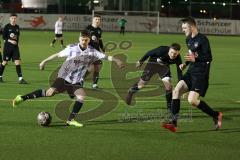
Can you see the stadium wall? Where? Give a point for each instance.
(135, 23)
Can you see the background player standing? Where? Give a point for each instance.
(96, 41)
(11, 33)
(159, 60)
(58, 32)
(122, 22)
(195, 81)
(71, 74)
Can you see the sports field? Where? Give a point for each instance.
(124, 133)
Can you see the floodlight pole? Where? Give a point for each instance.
(190, 7)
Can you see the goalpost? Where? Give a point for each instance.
(148, 20)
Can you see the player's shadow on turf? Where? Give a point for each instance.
(58, 124)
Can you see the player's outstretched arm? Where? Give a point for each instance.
(117, 61)
(50, 58)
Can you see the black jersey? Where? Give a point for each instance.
(11, 32)
(160, 54)
(200, 47)
(96, 35)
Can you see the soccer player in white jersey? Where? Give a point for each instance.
(58, 32)
(71, 74)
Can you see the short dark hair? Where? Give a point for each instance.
(189, 20)
(175, 46)
(13, 15)
(84, 33)
(96, 15)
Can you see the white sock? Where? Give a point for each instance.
(20, 78)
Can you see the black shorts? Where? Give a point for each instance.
(122, 28)
(11, 52)
(61, 86)
(98, 62)
(198, 82)
(58, 35)
(152, 68)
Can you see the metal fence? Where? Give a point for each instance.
(218, 9)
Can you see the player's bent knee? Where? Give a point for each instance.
(80, 97)
(50, 92)
(194, 102)
(17, 62)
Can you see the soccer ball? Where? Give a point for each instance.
(44, 118)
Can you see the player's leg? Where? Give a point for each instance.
(193, 99)
(53, 41)
(97, 68)
(80, 95)
(57, 87)
(61, 41)
(168, 91)
(19, 72)
(180, 89)
(147, 74)
(120, 30)
(2, 67)
(17, 61)
(134, 89)
(123, 30)
(7, 55)
(32, 95)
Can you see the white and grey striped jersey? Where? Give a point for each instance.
(58, 27)
(77, 62)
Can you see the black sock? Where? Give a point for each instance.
(2, 67)
(134, 88)
(54, 40)
(175, 107)
(76, 108)
(19, 70)
(169, 98)
(95, 77)
(206, 109)
(61, 42)
(34, 94)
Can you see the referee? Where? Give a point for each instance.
(11, 35)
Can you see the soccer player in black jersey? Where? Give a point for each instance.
(159, 60)
(195, 81)
(11, 35)
(96, 41)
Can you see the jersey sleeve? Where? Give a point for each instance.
(179, 71)
(148, 54)
(5, 32)
(65, 53)
(99, 55)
